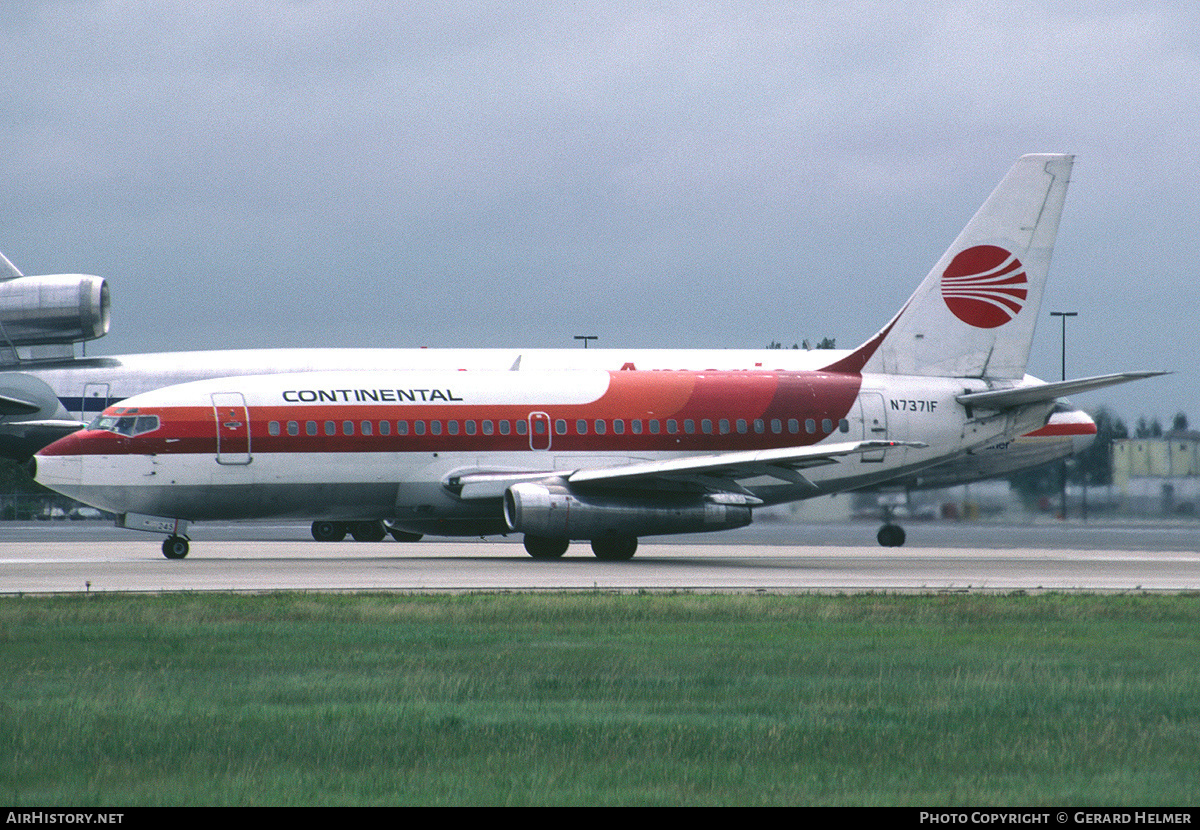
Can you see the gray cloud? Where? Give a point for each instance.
(693, 174)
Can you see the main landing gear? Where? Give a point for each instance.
(175, 547)
(891, 535)
(606, 549)
(371, 531)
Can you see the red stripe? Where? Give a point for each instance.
(1062, 430)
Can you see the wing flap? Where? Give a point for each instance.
(779, 462)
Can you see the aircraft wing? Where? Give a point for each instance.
(719, 472)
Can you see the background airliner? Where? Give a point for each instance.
(605, 456)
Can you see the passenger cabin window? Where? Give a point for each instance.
(293, 428)
(273, 428)
(601, 427)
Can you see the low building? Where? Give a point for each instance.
(1158, 476)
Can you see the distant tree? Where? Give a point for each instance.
(824, 343)
(1180, 424)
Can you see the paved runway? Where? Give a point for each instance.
(40, 558)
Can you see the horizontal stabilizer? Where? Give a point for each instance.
(1023, 395)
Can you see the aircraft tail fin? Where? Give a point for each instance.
(8, 271)
(974, 314)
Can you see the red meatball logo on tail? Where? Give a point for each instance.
(985, 286)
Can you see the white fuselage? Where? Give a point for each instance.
(371, 445)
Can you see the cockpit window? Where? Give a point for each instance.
(126, 424)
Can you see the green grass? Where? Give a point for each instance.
(599, 699)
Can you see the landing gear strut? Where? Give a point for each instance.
(891, 535)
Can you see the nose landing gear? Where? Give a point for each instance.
(175, 547)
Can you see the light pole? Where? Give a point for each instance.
(1064, 315)
(586, 337)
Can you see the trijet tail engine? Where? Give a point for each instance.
(41, 318)
(51, 309)
(57, 308)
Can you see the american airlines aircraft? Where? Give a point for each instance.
(604, 455)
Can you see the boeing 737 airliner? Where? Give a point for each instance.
(604, 456)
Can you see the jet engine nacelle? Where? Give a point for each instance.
(58, 308)
(556, 511)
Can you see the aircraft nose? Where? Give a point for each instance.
(58, 466)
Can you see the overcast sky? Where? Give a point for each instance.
(710, 174)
